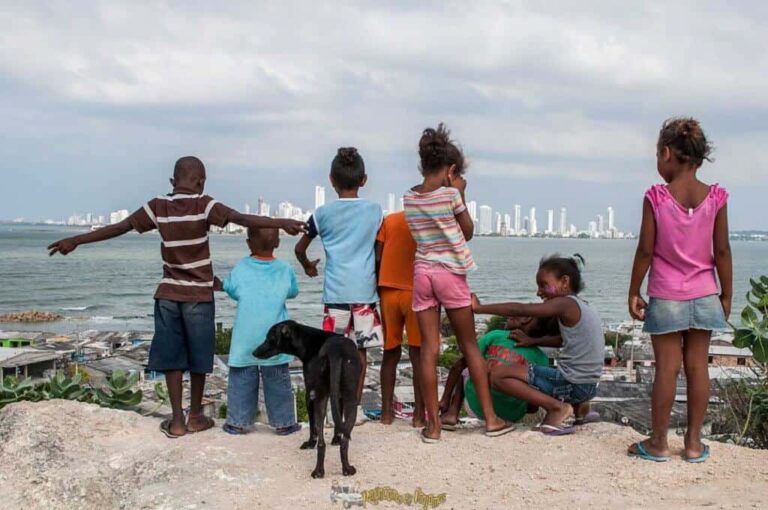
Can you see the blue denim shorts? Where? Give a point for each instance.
(551, 381)
(667, 316)
(184, 337)
(243, 395)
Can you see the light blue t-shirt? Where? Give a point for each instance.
(261, 288)
(348, 228)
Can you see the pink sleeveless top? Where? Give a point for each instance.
(683, 264)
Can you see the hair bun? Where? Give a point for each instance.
(579, 261)
(347, 155)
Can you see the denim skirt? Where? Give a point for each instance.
(668, 316)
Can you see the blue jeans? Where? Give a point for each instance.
(551, 381)
(243, 395)
(184, 337)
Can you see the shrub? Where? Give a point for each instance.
(223, 341)
(495, 322)
(118, 392)
(302, 416)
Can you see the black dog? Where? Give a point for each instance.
(331, 369)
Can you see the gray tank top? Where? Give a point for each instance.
(583, 351)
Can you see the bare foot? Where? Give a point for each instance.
(177, 427)
(199, 423)
(557, 416)
(418, 423)
(431, 431)
(496, 424)
(386, 418)
(449, 419)
(650, 446)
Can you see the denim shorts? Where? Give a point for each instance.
(184, 337)
(667, 316)
(243, 395)
(551, 381)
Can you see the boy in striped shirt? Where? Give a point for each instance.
(184, 307)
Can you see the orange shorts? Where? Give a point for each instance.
(397, 313)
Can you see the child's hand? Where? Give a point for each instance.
(475, 302)
(522, 339)
(457, 181)
(726, 302)
(637, 306)
(293, 227)
(217, 285)
(311, 268)
(64, 246)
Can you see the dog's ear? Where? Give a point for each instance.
(285, 330)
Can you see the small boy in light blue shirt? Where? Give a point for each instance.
(261, 285)
(348, 229)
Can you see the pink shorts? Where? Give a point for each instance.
(434, 285)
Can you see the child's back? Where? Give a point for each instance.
(583, 351)
(348, 228)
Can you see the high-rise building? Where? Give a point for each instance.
(247, 208)
(497, 229)
(611, 225)
(600, 225)
(508, 224)
(472, 208)
(390, 203)
(284, 210)
(572, 231)
(400, 205)
(526, 226)
(563, 224)
(592, 229)
(534, 228)
(486, 220)
(118, 216)
(517, 219)
(550, 221)
(319, 196)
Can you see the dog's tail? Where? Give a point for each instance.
(335, 367)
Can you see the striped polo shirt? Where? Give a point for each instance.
(432, 220)
(183, 220)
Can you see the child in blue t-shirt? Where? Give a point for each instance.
(348, 228)
(261, 285)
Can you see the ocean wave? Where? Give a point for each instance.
(74, 308)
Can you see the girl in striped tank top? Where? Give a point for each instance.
(441, 226)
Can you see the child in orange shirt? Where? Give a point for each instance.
(395, 254)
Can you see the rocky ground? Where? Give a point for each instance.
(31, 316)
(62, 454)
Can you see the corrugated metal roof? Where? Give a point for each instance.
(18, 357)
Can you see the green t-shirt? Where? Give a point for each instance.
(497, 346)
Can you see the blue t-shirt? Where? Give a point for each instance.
(348, 228)
(261, 288)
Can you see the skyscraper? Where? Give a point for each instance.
(517, 219)
(611, 225)
(563, 224)
(532, 218)
(472, 208)
(497, 230)
(486, 219)
(600, 225)
(400, 205)
(247, 209)
(390, 203)
(319, 196)
(550, 221)
(508, 224)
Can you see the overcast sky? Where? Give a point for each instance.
(555, 105)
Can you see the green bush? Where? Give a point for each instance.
(118, 392)
(223, 341)
(495, 322)
(612, 336)
(302, 416)
(223, 412)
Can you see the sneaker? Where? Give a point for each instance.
(290, 429)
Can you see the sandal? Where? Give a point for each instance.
(209, 424)
(165, 428)
(554, 430)
(428, 440)
(507, 428)
(642, 453)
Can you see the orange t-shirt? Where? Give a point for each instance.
(399, 253)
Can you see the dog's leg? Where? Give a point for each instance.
(350, 415)
(338, 429)
(310, 444)
(321, 402)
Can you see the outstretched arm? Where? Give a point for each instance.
(723, 259)
(565, 309)
(643, 254)
(291, 227)
(65, 246)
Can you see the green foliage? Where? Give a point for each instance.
(302, 415)
(223, 412)
(223, 341)
(450, 354)
(14, 389)
(118, 393)
(495, 322)
(63, 387)
(612, 336)
(753, 333)
(161, 395)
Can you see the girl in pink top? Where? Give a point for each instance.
(684, 241)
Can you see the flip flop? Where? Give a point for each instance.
(554, 430)
(590, 417)
(450, 427)
(428, 440)
(209, 424)
(642, 453)
(165, 428)
(701, 458)
(509, 427)
(231, 429)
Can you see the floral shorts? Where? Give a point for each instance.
(361, 323)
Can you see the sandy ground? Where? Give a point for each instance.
(61, 454)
